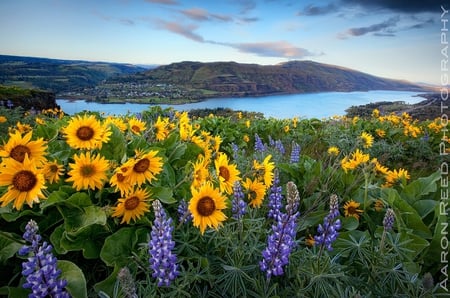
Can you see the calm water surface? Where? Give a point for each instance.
(311, 105)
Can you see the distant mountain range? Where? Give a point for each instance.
(104, 81)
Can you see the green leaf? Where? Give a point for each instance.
(9, 245)
(422, 186)
(406, 216)
(350, 223)
(55, 239)
(55, 197)
(115, 148)
(439, 229)
(89, 241)
(11, 292)
(76, 282)
(75, 220)
(119, 246)
(425, 207)
(107, 285)
(79, 199)
(164, 194)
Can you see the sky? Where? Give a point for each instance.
(398, 39)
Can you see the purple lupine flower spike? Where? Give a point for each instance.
(389, 219)
(238, 205)
(275, 197)
(184, 215)
(162, 260)
(295, 153)
(40, 270)
(259, 145)
(282, 239)
(328, 232)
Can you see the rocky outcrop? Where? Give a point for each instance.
(28, 99)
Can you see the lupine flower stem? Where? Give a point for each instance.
(388, 222)
(42, 275)
(282, 239)
(162, 260)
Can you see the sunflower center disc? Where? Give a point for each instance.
(24, 181)
(206, 206)
(18, 152)
(224, 173)
(85, 133)
(141, 166)
(131, 203)
(87, 171)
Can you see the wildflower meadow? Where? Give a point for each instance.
(172, 204)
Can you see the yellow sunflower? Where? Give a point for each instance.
(117, 122)
(206, 207)
(380, 132)
(351, 209)
(256, 191)
(136, 126)
(133, 206)
(3, 119)
(310, 241)
(265, 170)
(25, 183)
(226, 172)
(161, 128)
(86, 132)
(23, 128)
(121, 180)
(356, 158)
(19, 146)
(144, 167)
(200, 172)
(333, 151)
(367, 139)
(88, 172)
(52, 171)
(185, 126)
(396, 176)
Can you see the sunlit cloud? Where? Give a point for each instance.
(386, 28)
(200, 14)
(314, 10)
(165, 2)
(281, 49)
(181, 29)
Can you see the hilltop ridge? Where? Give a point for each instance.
(185, 81)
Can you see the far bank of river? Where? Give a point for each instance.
(309, 105)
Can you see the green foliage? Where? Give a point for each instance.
(93, 245)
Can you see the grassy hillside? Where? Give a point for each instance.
(196, 79)
(58, 75)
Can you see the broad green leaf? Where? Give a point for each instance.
(164, 194)
(89, 241)
(107, 285)
(9, 245)
(119, 246)
(422, 186)
(350, 223)
(55, 197)
(406, 216)
(55, 239)
(425, 207)
(79, 199)
(76, 282)
(75, 220)
(115, 148)
(11, 292)
(440, 228)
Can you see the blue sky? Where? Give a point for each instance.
(397, 39)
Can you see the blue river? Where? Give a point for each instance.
(309, 105)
